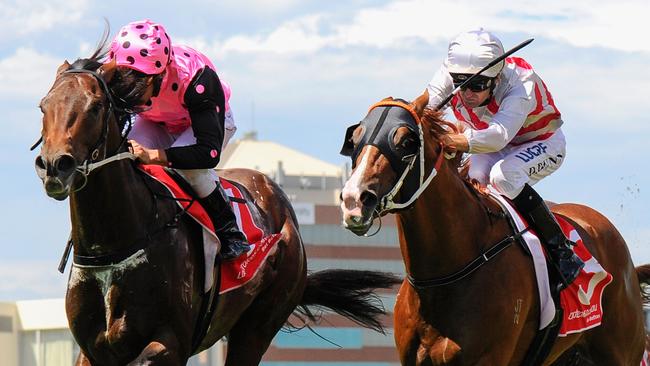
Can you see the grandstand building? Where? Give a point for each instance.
(35, 333)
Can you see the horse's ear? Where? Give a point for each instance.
(64, 66)
(108, 70)
(348, 144)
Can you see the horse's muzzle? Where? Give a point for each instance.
(56, 174)
(358, 213)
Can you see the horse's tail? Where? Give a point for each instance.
(350, 293)
(643, 274)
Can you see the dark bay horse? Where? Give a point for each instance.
(144, 309)
(490, 316)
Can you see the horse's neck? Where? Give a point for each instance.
(443, 231)
(113, 209)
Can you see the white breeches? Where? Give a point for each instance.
(509, 169)
(154, 136)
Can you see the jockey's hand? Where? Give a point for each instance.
(148, 156)
(455, 142)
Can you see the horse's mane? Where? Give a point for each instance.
(435, 121)
(93, 62)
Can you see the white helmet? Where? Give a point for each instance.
(469, 52)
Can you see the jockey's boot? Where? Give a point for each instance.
(532, 206)
(233, 241)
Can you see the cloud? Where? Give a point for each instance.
(578, 23)
(256, 7)
(27, 74)
(19, 18)
(397, 46)
(602, 90)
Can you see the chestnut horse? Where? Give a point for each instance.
(488, 316)
(144, 309)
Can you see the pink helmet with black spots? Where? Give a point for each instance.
(142, 45)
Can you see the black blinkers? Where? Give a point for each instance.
(381, 124)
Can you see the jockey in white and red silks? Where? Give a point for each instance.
(512, 131)
(183, 117)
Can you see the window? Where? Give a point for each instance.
(47, 348)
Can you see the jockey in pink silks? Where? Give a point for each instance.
(512, 131)
(183, 117)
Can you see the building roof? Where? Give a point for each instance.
(42, 314)
(266, 156)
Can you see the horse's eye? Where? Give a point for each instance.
(407, 142)
(404, 140)
(96, 107)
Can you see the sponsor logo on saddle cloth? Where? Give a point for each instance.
(234, 273)
(581, 301)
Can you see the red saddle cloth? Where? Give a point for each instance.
(582, 300)
(237, 272)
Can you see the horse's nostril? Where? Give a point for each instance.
(368, 199)
(65, 164)
(40, 163)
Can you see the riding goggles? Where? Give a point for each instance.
(478, 84)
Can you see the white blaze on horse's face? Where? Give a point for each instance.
(351, 203)
(357, 213)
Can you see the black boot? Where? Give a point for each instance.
(233, 241)
(532, 206)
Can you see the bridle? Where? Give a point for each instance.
(92, 160)
(387, 202)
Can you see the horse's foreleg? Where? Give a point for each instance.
(162, 351)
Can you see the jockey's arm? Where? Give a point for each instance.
(503, 127)
(202, 97)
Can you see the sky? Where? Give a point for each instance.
(302, 71)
